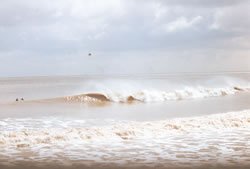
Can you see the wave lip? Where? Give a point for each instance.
(90, 97)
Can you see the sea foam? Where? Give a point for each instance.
(214, 140)
(68, 131)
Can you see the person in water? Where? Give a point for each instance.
(20, 99)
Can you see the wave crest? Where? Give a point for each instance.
(154, 95)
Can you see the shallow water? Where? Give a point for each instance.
(215, 140)
(48, 131)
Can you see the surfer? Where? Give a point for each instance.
(16, 99)
(90, 54)
(22, 99)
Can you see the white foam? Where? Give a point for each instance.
(182, 141)
(186, 93)
(53, 130)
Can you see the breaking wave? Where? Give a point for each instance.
(151, 95)
(19, 136)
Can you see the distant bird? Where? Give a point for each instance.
(90, 54)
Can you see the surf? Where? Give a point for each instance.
(65, 131)
(147, 96)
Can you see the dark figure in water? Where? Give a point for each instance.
(22, 99)
(16, 99)
(90, 54)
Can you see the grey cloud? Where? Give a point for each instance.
(236, 18)
(202, 3)
(47, 32)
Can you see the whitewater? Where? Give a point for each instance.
(126, 121)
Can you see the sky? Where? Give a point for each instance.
(45, 37)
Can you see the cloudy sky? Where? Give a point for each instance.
(44, 37)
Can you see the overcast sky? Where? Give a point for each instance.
(44, 37)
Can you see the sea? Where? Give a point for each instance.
(172, 121)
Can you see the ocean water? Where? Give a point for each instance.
(126, 121)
